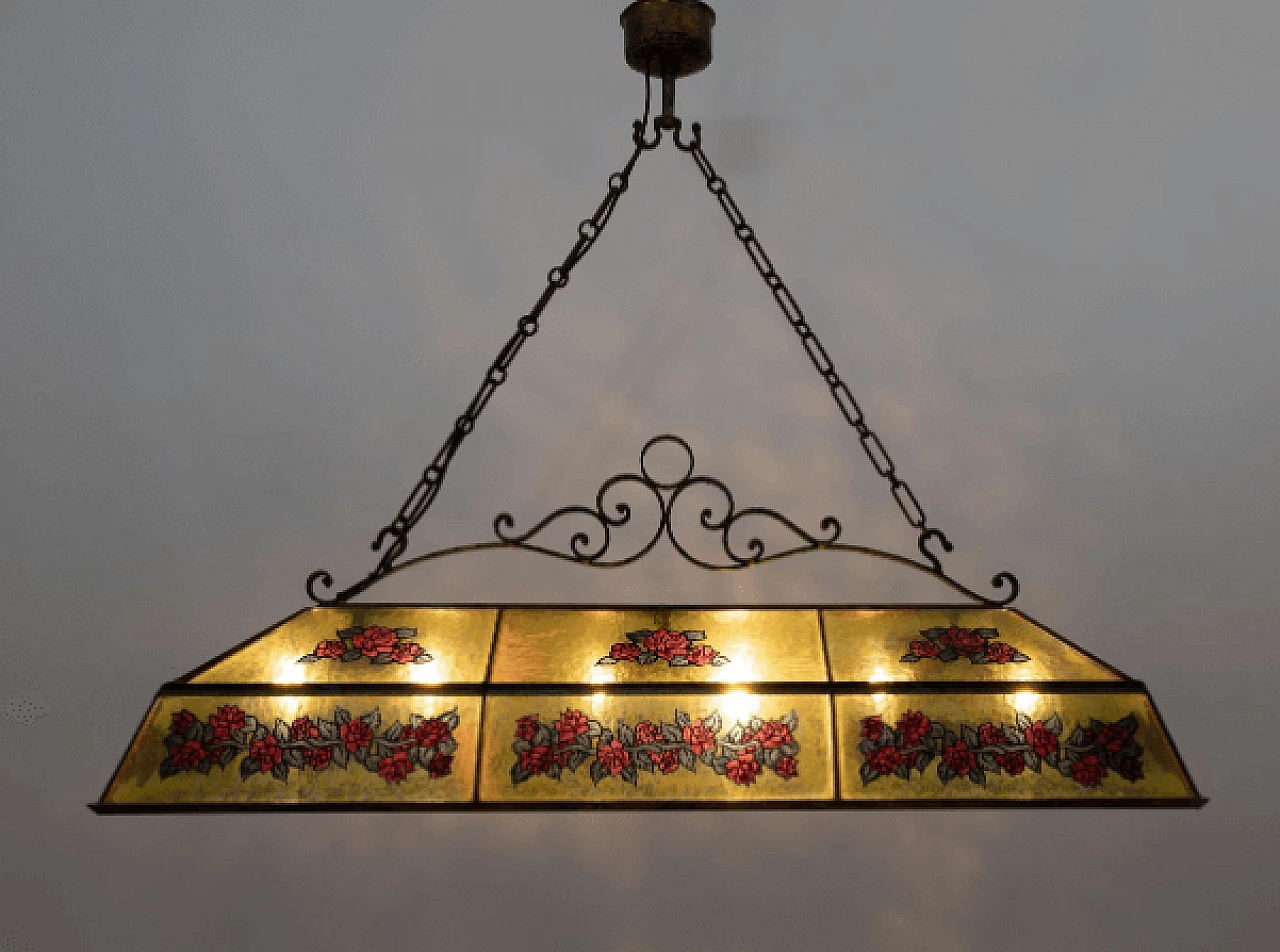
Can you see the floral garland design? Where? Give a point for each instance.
(574, 739)
(376, 644)
(308, 744)
(1086, 757)
(676, 648)
(951, 644)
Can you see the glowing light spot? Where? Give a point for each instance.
(738, 706)
(1026, 702)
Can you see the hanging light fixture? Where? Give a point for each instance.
(373, 706)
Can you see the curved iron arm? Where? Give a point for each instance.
(587, 522)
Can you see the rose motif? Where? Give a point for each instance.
(571, 726)
(330, 649)
(1042, 740)
(441, 765)
(999, 652)
(787, 767)
(773, 734)
(914, 726)
(182, 722)
(1088, 771)
(666, 761)
(228, 718)
(536, 760)
(1011, 763)
(614, 756)
(701, 654)
(395, 768)
(355, 734)
(1112, 737)
(430, 733)
(925, 649)
(872, 727)
(699, 737)
(189, 755)
(744, 768)
(624, 651)
(527, 727)
(959, 758)
(318, 757)
(303, 729)
(266, 753)
(667, 644)
(405, 651)
(990, 736)
(647, 734)
(884, 760)
(374, 641)
(964, 641)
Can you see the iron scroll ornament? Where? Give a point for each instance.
(593, 545)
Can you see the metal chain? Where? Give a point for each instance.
(428, 487)
(871, 444)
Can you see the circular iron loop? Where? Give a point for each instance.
(744, 232)
(716, 185)
(529, 326)
(557, 277)
(617, 183)
(666, 438)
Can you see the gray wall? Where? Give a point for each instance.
(255, 257)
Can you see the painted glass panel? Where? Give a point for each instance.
(950, 644)
(626, 646)
(305, 748)
(365, 644)
(1018, 746)
(733, 746)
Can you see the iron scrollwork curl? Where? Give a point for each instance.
(591, 542)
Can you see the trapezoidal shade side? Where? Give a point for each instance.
(422, 707)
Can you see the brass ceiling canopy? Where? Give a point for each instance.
(350, 706)
(668, 37)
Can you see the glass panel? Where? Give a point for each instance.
(950, 644)
(365, 644)
(543, 646)
(295, 749)
(1020, 746)
(725, 747)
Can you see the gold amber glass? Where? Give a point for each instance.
(138, 781)
(868, 645)
(457, 639)
(565, 646)
(1163, 777)
(814, 779)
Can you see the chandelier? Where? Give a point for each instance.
(365, 706)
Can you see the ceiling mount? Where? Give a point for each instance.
(670, 39)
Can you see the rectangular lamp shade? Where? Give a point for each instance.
(408, 707)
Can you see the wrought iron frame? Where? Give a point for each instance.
(392, 540)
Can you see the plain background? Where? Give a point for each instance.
(256, 256)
